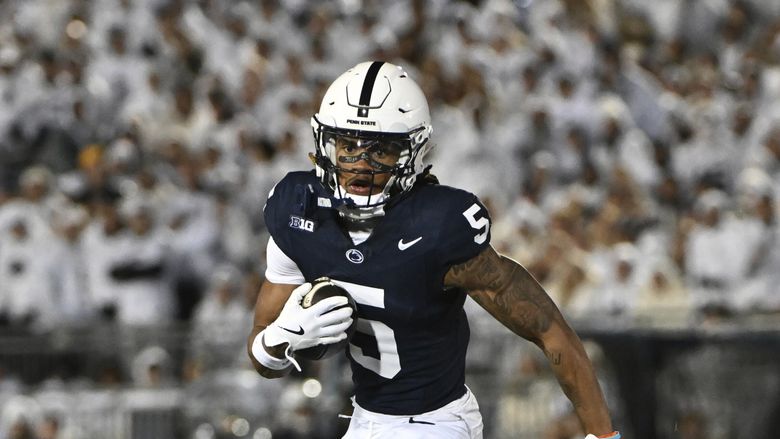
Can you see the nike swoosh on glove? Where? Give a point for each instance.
(303, 328)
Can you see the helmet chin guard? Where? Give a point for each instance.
(372, 102)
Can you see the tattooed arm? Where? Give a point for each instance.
(511, 294)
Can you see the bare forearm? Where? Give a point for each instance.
(536, 318)
(577, 378)
(512, 295)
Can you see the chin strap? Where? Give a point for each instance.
(360, 214)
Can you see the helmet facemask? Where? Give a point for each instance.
(397, 154)
(379, 110)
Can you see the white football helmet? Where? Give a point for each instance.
(373, 103)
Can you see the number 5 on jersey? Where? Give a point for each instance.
(477, 223)
(389, 363)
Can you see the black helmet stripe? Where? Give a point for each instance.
(368, 87)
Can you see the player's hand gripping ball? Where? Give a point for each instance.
(323, 288)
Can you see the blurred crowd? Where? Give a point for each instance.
(629, 151)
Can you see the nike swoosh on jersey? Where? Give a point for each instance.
(412, 421)
(404, 245)
(298, 332)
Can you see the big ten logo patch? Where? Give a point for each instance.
(299, 223)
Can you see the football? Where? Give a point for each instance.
(323, 288)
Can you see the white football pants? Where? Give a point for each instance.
(459, 419)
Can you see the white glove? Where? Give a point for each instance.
(613, 435)
(303, 328)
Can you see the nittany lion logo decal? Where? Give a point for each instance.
(354, 256)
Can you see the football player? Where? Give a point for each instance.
(372, 218)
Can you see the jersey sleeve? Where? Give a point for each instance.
(271, 210)
(465, 229)
(284, 201)
(280, 269)
(277, 216)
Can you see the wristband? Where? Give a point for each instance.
(613, 435)
(263, 357)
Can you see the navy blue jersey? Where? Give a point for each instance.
(408, 353)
